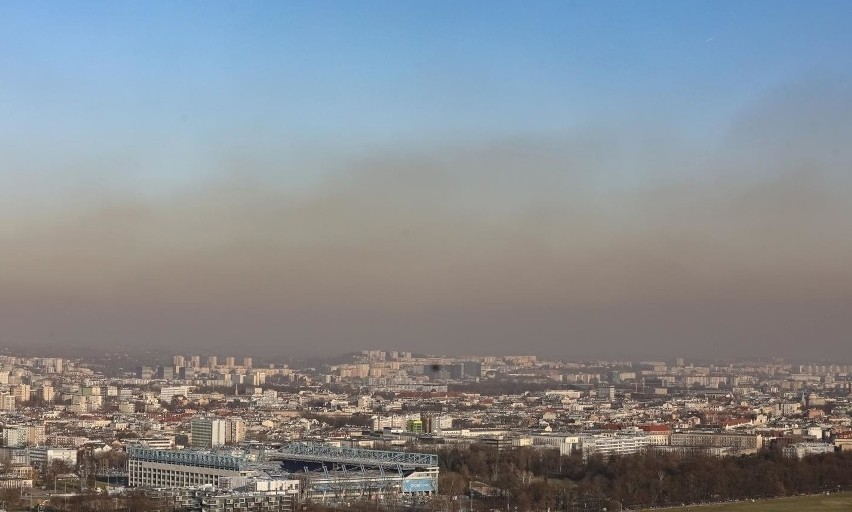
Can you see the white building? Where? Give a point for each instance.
(167, 393)
(565, 444)
(23, 435)
(440, 422)
(7, 402)
(42, 455)
(47, 393)
(14, 436)
(85, 403)
(393, 422)
(157, 443)
(658, 435)
(181, 468)
(21, 392)
(207, 432)
(800, 450)
(619, 443)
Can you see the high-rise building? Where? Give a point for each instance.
(179, 361)
(195, 362)
(166, 372)
(15, 436)
(236, 431)
(36, 435)
(606, 393)
(21, 392)
(47, 393)
(229, 362)
(471, 369)
(207, 432)
(23, 435)
(144, 372)
(212, 362)
(256, 378)
(52, 364)
(7, 402)
(247, 362)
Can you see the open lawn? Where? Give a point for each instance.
(819, 503)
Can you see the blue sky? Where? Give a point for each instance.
(635, 177)
(171, 79)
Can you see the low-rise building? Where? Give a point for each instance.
(738, 442)
(799, 450)
(618, 443)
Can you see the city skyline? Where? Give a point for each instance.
(565, 179)
(401, 429)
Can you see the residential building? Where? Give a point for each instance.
(208, 432)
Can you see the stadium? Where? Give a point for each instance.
(330, 473)
(325, 473)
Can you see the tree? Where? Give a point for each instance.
(55, 468)
(451, 483)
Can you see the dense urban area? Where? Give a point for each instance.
(390, 430)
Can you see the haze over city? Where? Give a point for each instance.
(566, 179)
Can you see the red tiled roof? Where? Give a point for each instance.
(655, 428)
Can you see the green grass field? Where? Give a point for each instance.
(820, 503)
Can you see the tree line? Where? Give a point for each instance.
(531, 479)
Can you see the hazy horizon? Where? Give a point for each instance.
(565, 179)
